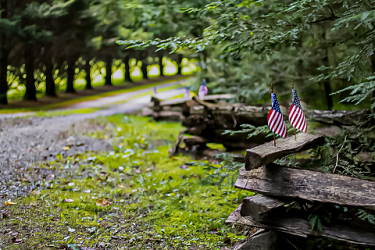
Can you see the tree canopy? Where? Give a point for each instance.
(325, 46)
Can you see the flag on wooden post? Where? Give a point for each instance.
(187, 92)
(275, 118)
(203, 90)
(296, 117)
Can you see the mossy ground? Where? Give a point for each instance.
(150, 201)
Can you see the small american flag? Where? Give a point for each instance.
(203, 90)
(187, 92)
(275, 118)
(296, 116)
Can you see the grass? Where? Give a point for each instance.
(134, 197)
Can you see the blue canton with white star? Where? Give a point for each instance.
(275, 104)
(295, 100)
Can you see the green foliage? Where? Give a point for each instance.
(252, 43)
(254, 131)
(342, 153)
(364, 215)
(316, 219)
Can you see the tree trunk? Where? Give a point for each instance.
(144, 68)
(204, 64)
(71, 73)
(373, 69)
(88, 75)
(4, 57)
(50, 83)
(30, 94)
(108, 70)
(179, 64)
(127, 69)
(161, 66)
(327, 82)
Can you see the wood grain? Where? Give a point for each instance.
(360, 235)
(257, 205)
(275, 180)
(267, 152)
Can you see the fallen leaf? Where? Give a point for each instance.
(120, 186)
(15, 240)
(68, 200)
(66, 148)
(36, 192)
(73, 246)
(9, 202)
(102, 202)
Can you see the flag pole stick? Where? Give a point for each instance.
(295, 136)
(274, 135)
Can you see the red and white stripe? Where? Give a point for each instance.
(297, 118)
(276, 123)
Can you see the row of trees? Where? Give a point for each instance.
(43, 40)
(324, 46)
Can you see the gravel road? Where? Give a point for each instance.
(27, 141)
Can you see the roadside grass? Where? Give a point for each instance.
(134, 197)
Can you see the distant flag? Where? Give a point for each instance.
(187, 92)
(296, 117)
(275, 118)
(203, 90)
(155, 90)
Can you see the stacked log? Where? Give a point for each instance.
(279, 186)
(177, 109)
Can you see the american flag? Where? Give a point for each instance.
(203, 90)
(187, 92)
(275, 118)
(296, 116)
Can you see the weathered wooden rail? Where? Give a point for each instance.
(277, 186)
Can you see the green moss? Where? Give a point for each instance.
(154, 201)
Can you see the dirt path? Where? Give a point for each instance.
(25, 141)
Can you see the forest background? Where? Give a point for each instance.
(240, 47)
